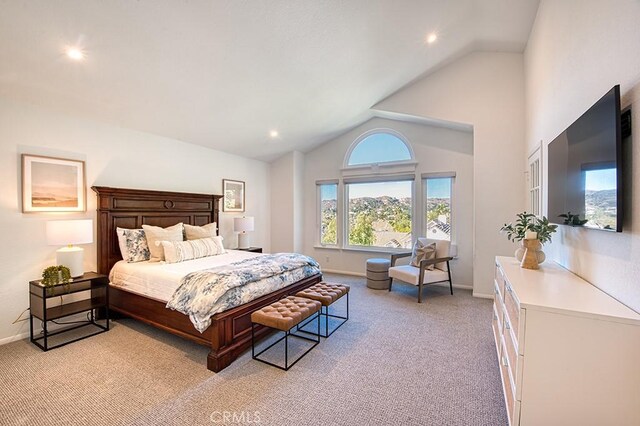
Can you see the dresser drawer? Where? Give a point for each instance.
(511, 350)
(507, 385)
(512, 308)
(496, 325)
(499, 278)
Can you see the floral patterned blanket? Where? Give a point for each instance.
(204, 293)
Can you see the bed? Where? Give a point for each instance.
(229, 334)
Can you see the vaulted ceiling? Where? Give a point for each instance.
(223, 74)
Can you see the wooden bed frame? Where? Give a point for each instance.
(229, 334)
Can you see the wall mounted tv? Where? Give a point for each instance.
(585, 167)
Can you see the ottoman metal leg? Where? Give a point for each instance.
(286, 336)
(326, 316)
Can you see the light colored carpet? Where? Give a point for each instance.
(394, 362)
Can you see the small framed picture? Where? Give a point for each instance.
(52, 185)
(233, 191)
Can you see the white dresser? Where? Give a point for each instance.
(569, 353)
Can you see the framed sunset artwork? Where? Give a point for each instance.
(52, 184)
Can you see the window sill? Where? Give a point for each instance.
(382, 250)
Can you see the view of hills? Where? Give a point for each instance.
(601, 208)
(374, 221)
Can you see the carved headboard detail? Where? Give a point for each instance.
(132, 208)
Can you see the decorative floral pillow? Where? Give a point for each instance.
(133, 245)
(423, 251)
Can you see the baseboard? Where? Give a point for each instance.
(359, 274)
(14, 338)
(335, 271)
(483, 295)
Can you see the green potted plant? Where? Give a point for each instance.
(54, 275)
(529, 223)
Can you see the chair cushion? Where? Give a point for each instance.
(421, 252)
(410, 274)
(443, 249)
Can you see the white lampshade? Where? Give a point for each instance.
(243, 224)
(66, 233)
(69, 232)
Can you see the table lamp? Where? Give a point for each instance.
(67, 233)
(243, 225)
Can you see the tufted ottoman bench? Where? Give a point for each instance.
(283, 315)
(327, 294)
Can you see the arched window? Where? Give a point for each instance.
(378, 146)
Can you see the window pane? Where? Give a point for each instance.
(380, 214)
(329, 214)
(438, 208)
(379, 148)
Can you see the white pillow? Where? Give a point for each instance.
(156, 233)
(179, 251)
(196, 232)
(133, 244)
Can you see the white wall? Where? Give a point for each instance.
(437, 149)
(287, 174)
(486, 90)
(114, 157)
(577, 51)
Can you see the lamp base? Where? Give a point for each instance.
(243, 240)
(73, 258)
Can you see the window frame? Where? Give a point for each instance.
(386, 164)
(318, 232)
(345, 210)
(438, 175)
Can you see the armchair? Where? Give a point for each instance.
(420, 276)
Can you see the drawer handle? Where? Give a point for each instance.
(504, 361)
(495, 317)
(507, 325)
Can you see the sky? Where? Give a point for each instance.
(598, 180)
(379, 148)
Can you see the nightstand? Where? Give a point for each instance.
(252, 249)
(40, 297)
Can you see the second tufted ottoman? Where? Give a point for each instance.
(327, 294)
(283, 315)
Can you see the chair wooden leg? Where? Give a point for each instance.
(390, 283)
(450, 282)
(420, 293)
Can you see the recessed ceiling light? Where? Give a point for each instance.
(273, 133)
(75, 53)
(432, 37)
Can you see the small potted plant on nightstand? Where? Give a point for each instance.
(54, 275)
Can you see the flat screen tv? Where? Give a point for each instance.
(585, 167)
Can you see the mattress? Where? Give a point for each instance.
(159, 280)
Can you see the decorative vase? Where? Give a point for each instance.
(519, 254)
(533, 254)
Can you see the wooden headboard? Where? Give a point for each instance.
(131, 208)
